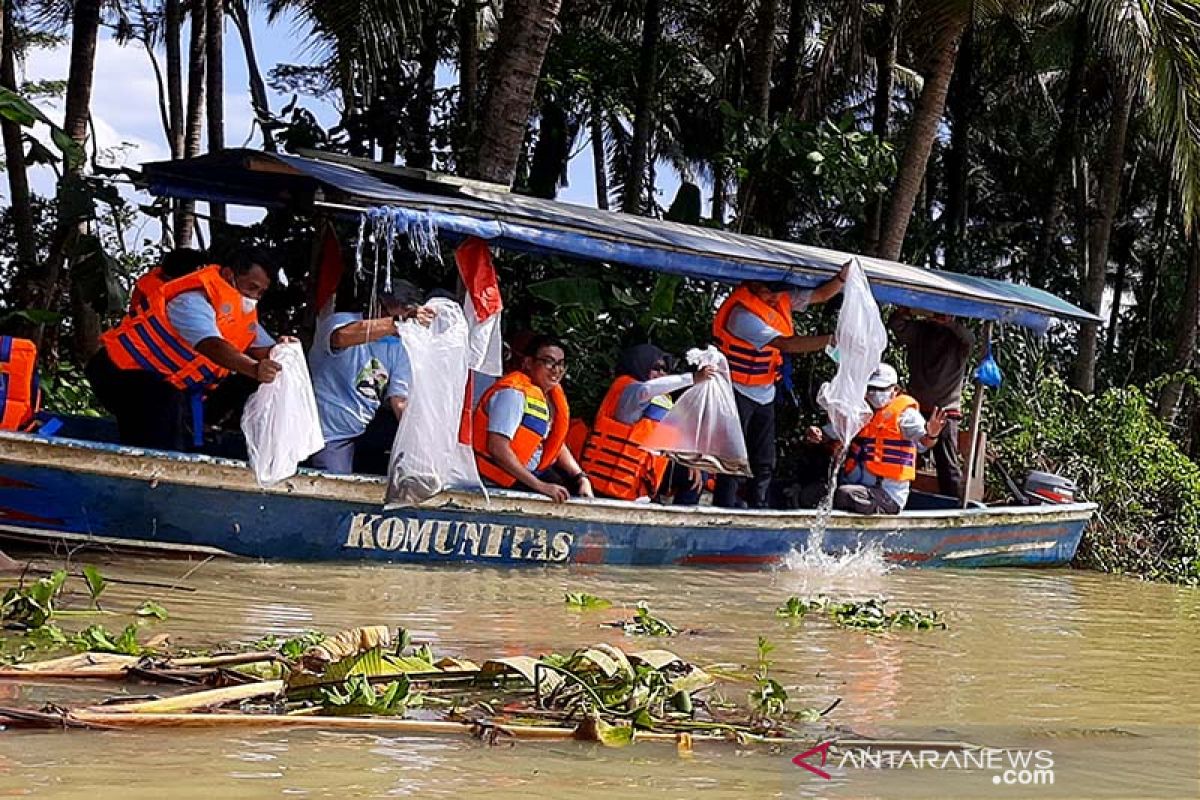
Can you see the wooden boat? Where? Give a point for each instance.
(77, 489)
(77, 492)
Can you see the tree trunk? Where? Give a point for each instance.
(259, 100)
(634, 196)
(172, 33)
(193, 128)
(922, 132)
(1124, 255)
(881, 118)
(958, 160)
(418, 150)
(758, 93)
(1185, 338)
(524, 37)
(599, 160)
(14, 158)
(1083, 375)
(468, 79)
(789, 80)
(215, 98)
(40, 287)
(1064, 148)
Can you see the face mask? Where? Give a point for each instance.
(248, 304)
(878, 398)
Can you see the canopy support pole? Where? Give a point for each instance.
(975, 424)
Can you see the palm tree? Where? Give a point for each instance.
(525, 32)
(14, 149)
(634, 198)
(193, 128)
(214, 53)
(1152, 50)
(948, 19)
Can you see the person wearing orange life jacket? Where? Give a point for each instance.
(20, 391)
(635, 403)
(177, 263)
(520, 427)
(754, 330)
(882, 459)
(196, 331)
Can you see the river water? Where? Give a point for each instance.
(1098, 671)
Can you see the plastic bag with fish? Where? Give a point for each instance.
(427, 456)
(280, 419)
(703, 430)
(861, 339)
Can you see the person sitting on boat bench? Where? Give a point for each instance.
(937, 349)
(636, 402)
(197, 330)
(754, 328)
(520, 427)
(175, 264)
(882, 459)
(357, 364)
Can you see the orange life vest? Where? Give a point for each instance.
(881, 446)
(613, 457)
(147, 286)
(749, 365)
(543, 424)
(147, 340)
(20, 391)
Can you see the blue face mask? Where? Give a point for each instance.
(248, 304)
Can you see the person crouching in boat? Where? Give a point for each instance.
(177, 263)
(357, 364)
(882, 459)
(520, 427)
(636, 402)
(195, 331)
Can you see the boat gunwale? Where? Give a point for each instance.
(192, 469)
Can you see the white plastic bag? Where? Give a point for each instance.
(280, 420)
(427, 456)
(861, 339)
(703, 429)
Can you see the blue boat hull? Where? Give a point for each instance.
(77, 492)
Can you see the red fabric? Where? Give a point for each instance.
(479, 277)
(329, 266)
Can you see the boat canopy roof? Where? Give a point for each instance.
(457, 208)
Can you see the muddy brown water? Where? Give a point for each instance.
(1099, 672)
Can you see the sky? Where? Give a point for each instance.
(126, 116)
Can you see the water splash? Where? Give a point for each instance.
(856, 572)
(813, 565)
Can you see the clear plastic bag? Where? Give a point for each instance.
(427, 456)
(703, 429)
(280, 420)
(861, 339)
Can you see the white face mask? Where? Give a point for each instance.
(878, 398)
(248, 304)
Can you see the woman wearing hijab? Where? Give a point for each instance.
(636, 402)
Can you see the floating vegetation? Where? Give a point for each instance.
(30, 609)
(374, 678)
(870, 614)
(582, 601)
(644, 623)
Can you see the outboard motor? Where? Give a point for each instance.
(1046, 488)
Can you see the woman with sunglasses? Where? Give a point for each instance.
(520, 427)
(636, 402)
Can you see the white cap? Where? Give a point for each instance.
(884, 377)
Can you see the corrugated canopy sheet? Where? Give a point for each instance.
(510, 221)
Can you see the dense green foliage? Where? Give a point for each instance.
(1051, 143)
(1122, 457)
